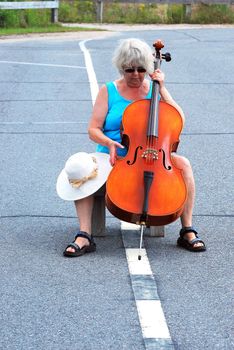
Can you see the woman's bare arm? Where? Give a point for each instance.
(97, 121)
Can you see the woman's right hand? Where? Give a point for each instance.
(113, 151)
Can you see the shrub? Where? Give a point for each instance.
(116, 12)
(77, 11)
(37, 18)
(9, 18)
(212, 14)
(175, 14)
(24, 18)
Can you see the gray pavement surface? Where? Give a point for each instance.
(48, 302)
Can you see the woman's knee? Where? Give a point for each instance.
(184, 164)
(181, 161)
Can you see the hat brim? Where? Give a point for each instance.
(68, 193)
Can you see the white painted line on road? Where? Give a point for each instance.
(154, 327)
(94, 88)
(129, 226)
(138, 267)
(152, 319)
(153, 324)
(43, 64)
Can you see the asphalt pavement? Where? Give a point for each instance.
(49, 302)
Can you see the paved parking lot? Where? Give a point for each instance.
(48, 302)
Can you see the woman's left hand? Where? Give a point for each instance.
(159, 76)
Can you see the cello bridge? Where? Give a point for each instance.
(150, 152)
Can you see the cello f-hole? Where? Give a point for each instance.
(167, 167)
(135, 156)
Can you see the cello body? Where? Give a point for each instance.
(145, 187)
(125, 185)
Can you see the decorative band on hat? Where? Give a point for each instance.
(76, 183)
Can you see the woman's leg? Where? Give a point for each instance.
(187, 215)
(84, 208)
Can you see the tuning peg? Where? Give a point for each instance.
(166, 56)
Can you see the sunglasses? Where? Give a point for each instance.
(133, 69)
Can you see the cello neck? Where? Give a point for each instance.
(153, 114)
(154, 103)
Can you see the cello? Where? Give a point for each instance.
(145, 187)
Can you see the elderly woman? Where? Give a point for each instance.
(134, 61)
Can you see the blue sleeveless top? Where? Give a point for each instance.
(116, 107)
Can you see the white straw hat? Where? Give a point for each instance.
(83, 174)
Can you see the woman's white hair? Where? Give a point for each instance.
(133, 52)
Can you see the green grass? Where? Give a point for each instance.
(53, 28)
(78, 11)
(167, 13)
(218, 14)
(13, 22)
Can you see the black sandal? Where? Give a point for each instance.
(190, 245)
(80, 251)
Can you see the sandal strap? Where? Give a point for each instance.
(84, 235)
(187, 229)
(73, 245)
(196, 240)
